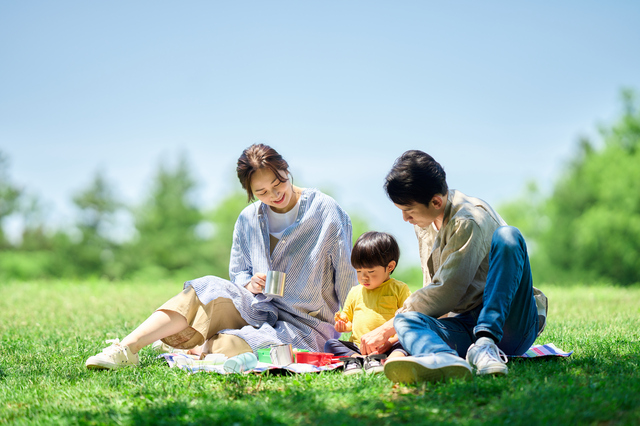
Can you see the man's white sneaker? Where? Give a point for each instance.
(436, 367)
(162, 348)
(487, 358)
(112, 357)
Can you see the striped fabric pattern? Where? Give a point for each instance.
(315, 254)
(545, 350)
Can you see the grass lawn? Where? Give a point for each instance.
(48, 329)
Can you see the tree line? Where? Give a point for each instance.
(171, 235)
(586, 229)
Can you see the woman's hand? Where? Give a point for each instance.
(377, 341)
(257, 283)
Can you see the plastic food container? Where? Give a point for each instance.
(264, 355)
(315, 358)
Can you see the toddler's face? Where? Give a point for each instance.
(371, 278)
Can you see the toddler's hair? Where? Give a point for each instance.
(374, 249)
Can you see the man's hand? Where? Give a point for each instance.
(257, 283)
(377, 341)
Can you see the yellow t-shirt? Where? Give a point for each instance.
(369, 309)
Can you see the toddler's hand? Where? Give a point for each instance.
(341, 316)
(342, 327)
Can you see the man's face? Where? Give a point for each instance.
(418, 214)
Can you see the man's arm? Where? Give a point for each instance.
(377, 341)
(465, 248)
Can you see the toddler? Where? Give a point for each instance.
(372, 303)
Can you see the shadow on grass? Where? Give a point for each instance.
(300, 408)
(587, 390)
(185, 413)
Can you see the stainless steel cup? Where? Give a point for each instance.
(275, 284)
(281, 355)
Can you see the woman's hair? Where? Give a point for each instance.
(374, 249)
(415, 178)
(259, 156)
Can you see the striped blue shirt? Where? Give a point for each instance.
(314, 252)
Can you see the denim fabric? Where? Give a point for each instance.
(341, 347)
(344, 348)
(508, 311)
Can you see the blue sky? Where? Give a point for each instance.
(497, 92)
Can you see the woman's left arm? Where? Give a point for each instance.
(240, 269)
(344, 274)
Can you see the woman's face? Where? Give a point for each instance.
(271, 191)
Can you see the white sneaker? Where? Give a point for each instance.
(162, 348)
(436, 367)
(115, 356)
(487, 358)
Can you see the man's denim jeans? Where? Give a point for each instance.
(508, 311)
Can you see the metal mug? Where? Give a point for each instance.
(281, 355)
(275, 284)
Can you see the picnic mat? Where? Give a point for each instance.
(194, 365)
(191, 364)
(544, 350)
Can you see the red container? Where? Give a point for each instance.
(315, 358)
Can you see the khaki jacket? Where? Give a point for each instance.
(455, 259)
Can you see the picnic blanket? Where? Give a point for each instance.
(548, 349)
(193, 365)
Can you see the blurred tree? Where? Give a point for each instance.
(167, 223)
(34, 234)
(94, 252)
(30, 256)
(589, 228)
(221, 220)
(359, 225)
(9, 197)
(35, 255)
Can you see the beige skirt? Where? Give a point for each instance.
(205, 323)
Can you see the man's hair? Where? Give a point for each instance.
(374, 249)
(415, 178)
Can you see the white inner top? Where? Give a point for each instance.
(279, 222)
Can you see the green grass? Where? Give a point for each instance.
(48, 329)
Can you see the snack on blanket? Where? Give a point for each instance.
(341, 316)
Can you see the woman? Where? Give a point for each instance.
(301, 232)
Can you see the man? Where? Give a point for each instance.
(477, 301)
